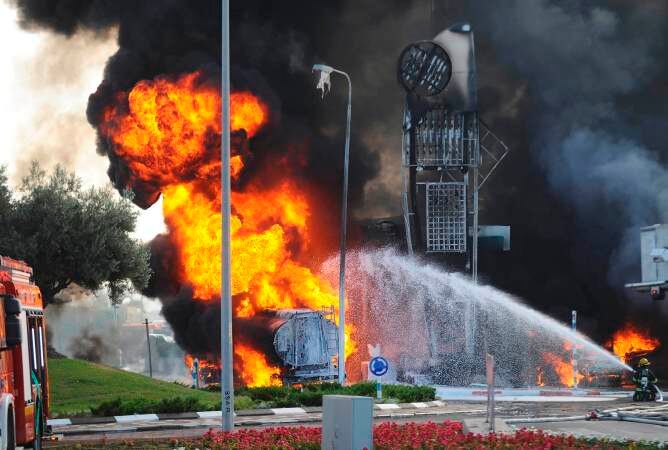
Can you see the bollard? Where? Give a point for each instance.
(489, 366)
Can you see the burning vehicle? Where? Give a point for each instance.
(304, 346)
(306, 343)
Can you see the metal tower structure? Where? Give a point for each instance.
(448, 153)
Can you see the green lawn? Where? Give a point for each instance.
(77, 385)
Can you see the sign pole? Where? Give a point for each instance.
(148, 344)
(226, 365)
(574, 319)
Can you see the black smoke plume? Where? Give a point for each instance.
(576, 88)
(90, 346)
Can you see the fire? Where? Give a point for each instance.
(171, 130)
(247, 113)
(540, 377)
(629, 340)
(257, 370)
(562, 368)
(168, 134)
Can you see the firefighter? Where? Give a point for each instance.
(644, 379)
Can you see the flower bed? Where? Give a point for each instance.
(391, 436)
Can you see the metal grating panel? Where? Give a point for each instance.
(492, 152)
(445, 138)
(446, 217)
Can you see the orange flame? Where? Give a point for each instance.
(629, 340)
(540, 377)
(562, 368)
(256, 369)
(171, 130)
(169, 135)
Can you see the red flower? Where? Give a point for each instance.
(391, 436)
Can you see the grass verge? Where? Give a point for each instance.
(78, 386)
(83, 388)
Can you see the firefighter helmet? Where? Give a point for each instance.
(643, 362)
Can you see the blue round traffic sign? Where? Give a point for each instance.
(378, 366)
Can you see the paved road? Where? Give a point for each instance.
(609, 429)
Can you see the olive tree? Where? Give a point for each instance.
(69, 234)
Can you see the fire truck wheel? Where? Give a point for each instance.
(11, 432)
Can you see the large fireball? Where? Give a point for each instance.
(167, 132)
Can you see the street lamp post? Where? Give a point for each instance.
(226, 365)
(324, 85)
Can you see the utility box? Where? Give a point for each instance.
(653, 249)
(494, 237)
(653, 261)
(347, 422)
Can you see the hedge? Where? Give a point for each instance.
(264, 397)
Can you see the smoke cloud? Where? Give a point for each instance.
(44, 93)
(588, 69)
(576, 89)
(83, 324)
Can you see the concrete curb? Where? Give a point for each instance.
(277, 419)
(479, 425)
(453, 392)
(214, 414)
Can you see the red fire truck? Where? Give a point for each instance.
(24, 389)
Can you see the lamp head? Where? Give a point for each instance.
(323, 68)
(324, 82)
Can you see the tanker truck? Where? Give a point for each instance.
(302, 342)
(306, 343)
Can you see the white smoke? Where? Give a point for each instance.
(85, 325)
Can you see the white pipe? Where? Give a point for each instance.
(639, 420)
(545, 419)
(611, 414)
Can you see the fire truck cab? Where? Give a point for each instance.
(24, 390)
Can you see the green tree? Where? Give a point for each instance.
(73, 235)
(7, 234)
(5, 194)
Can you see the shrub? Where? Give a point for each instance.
(243, 402)
(266, 393)
(409, 394)
(323, 387)
(311, 394)
(366, 388)
(307, 398)
(107, 409)
(118, 407)
(211, 387)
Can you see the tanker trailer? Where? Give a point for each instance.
(302, 342)
(306, 343)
